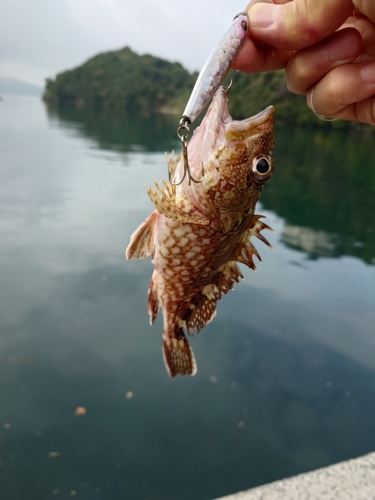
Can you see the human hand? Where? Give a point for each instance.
(328, 52)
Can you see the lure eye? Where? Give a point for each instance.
(244, 26)
(262, 167)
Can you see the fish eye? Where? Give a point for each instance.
(244, 26)
(262, 167)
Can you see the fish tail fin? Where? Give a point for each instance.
(178, 355)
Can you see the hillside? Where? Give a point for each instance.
(122, 78)
(146, 83)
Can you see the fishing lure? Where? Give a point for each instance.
(216, 67)
(212, 74)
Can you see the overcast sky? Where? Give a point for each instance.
(39, 38)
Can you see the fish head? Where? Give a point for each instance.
(237, 161)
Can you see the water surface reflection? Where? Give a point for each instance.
(286, 370)
(326, 182)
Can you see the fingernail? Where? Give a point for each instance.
(342, 47)
(262, 15)
(368, 73)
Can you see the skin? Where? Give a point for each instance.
(327, 48)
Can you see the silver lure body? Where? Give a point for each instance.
(216, 67)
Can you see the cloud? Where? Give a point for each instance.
(41, 38)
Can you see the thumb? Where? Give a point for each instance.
(299, 23)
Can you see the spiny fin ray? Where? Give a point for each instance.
(165, 204)
(246, 250)
(172, 162)
(203, 308)
(257, 226)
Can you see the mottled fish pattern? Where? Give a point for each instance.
(198, 233)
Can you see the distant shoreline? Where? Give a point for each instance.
(145, 83)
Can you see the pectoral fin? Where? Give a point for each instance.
(142, 241)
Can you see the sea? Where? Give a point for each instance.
(286, 370)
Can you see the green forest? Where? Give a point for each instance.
(145, 83)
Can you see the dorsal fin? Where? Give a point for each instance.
(142, 241)
(203, 306)
(246, 250)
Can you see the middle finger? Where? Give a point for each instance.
(308, 66)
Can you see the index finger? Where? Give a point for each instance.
(256, 58)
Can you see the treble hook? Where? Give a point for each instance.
(230, 85)
(183, 137)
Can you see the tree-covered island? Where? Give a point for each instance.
(145, 83)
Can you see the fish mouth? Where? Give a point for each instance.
(218, 130)
(221, 102)
(216, 119)
(236, 130)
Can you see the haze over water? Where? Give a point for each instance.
(286, 370)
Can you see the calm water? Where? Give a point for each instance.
(286, 371)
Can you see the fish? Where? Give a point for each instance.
(198, 233)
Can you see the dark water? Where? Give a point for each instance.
(286, 371)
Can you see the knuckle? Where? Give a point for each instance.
(367, 7)
(365, 111)
(298, 76)
(308, 19)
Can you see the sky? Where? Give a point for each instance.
(40, 38)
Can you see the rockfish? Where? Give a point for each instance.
(199, 232)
